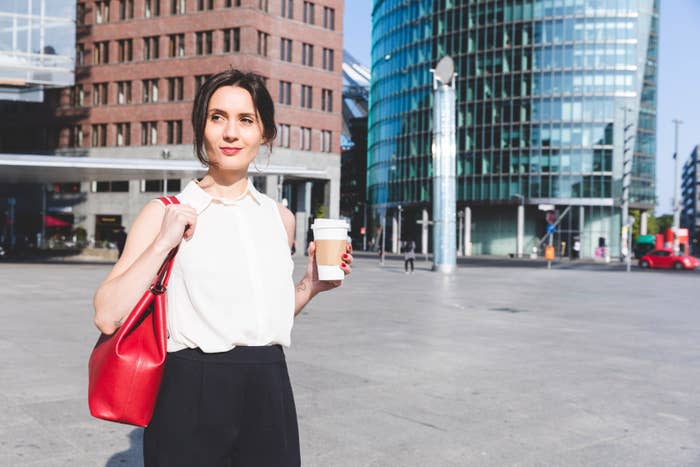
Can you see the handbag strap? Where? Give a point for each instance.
(161, 281)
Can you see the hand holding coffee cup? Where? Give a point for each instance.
(331, 248)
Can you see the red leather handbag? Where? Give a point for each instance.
(126, 368)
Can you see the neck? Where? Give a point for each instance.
(224, 184)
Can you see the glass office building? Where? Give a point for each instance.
(37, 47)
(551, 96)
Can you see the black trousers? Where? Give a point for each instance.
(405, 264)
(230, 409)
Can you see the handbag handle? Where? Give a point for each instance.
(160, 283)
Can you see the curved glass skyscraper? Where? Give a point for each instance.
(552, 96)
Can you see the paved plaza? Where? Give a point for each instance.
(493, 366)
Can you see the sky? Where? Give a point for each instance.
(679, 80)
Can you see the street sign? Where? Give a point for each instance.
(545, 207)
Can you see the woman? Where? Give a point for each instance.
(225, 399)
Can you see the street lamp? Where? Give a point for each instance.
(400, 208)
(520, 234)
(676, 197)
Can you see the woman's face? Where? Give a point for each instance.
(233, 133)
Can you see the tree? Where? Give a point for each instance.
(664, 222)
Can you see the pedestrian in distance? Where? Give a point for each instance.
(120, 240)
(409, 255)
(225, 398)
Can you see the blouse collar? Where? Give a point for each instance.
(200, 199)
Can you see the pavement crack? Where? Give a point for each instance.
(419, 422)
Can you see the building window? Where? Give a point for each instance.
(178, 7)
(101, 11)
(149, 133)
(285, 93)
(329, 18)
(150, 90)
(264, 5)
(126, 9)
(305, 139)
(328, 59)
(123, 92)
(75, 136)
(80, 11)
(176, 45)
(327, 100)
(99, 135)
(99, 94)
(205, 5)
(150, 48)
(309, 12)
(175, 89)
(287, 8)
(326, 141)
(204, 42)
(262, 43)
(77, 96)
(283, 135)
(230, 3)
(306, 96)
(100, 53)
(125, 51)
(151, 8)
(174, 135)
(286, 49)
(123, 134)
(307, 54)
(80, 54)
(110, 187)
(232, 40)
(156, 186)
(199, 81)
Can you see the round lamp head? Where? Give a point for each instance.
(445, 69)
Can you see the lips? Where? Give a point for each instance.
(230, 151)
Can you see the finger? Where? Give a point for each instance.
(347, 257)
(312, 248)
(348, 248)
(346, 268)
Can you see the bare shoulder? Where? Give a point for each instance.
(289, 222)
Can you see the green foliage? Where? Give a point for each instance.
(664, 223)
(80, 234)
(320, 211)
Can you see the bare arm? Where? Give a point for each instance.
(154, 233)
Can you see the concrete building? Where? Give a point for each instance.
(690, 199)
(551, 96)
(139, 64)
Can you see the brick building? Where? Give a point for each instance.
(138, 66)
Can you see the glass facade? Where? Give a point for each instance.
(37, 42)
(546, 90)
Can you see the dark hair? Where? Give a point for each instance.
(258, 92)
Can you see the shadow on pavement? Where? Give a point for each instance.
(132, 457)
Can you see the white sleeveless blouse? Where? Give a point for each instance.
(231, 283)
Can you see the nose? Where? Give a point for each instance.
(231, 130)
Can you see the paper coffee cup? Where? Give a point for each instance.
(330, 237)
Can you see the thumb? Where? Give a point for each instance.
(312, 249)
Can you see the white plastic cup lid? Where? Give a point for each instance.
(330, 224)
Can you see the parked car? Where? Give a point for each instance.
(664, 258)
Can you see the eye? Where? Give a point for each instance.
(216, 117)
(247, 121)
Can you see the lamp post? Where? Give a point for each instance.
(165, 154)
(460, 238)
(520, 234)
(400, 208)
(676, 198)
